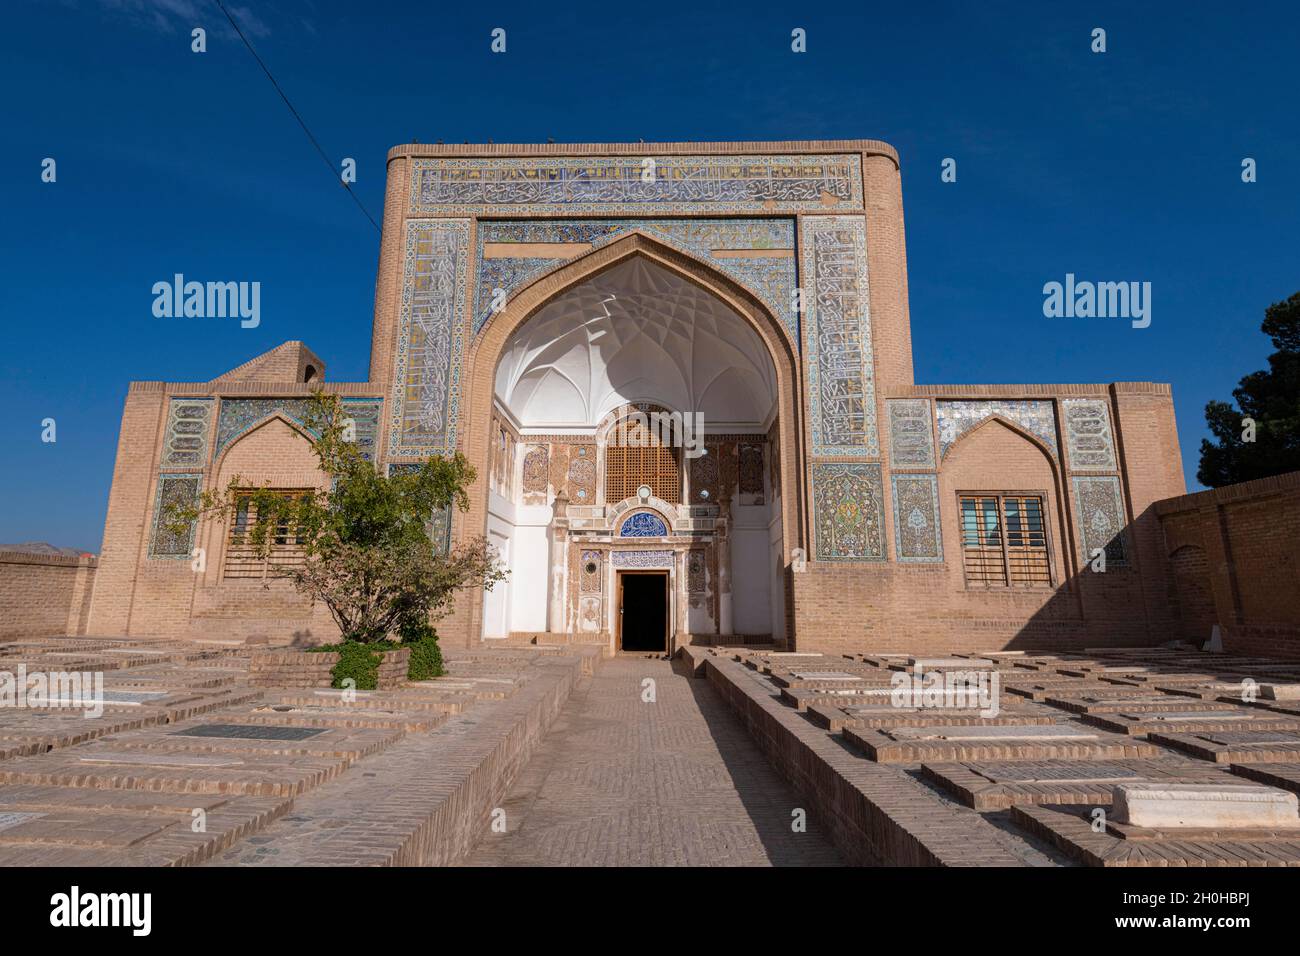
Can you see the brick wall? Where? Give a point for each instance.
(1235, 561)
(42, 595)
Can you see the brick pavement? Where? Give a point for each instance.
(624, 782)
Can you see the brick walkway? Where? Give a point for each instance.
(619, 781)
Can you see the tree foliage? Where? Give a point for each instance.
(365, 540)
(1270, 398)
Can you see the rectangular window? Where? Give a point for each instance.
(242, 560)
(1004, 541)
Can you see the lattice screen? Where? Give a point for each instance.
(241, 558)
(639, 458)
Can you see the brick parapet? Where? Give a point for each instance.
(1284, 484)
(256, 389)
(869, 147)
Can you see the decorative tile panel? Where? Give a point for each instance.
(365, 413)
(643, 524)
(536, 463)
(837, 336)
(180, 491)
(956, 418)
(582, 475)
(631, 184)
(772, 279)
(589, 614)
(911, 433)
(642, 559)
(1100, 514)
(695, 572)
(239, 415)
(1088, 436)
(751, 469)
(849, 511)
(440, 530)
(430, 339)
(189, 421)
(589, 580)
(704, 475)
(917, 534)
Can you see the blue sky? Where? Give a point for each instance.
(1117, 166)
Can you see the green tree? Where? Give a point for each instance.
(1271, 399)
(368, 555)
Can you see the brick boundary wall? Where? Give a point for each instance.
(313, 669)
(43, 595)
(875, 815)
(1245, 543)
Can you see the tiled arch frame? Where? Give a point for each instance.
(486, 348)
(1020, 430)
(212, 529)
(1064, 519)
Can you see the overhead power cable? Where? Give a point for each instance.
(334, 173)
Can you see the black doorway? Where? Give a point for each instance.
(643, 620)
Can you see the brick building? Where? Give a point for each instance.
(548, 309)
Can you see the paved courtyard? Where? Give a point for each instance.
(621, 780)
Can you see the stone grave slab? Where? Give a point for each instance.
(342, 717)
(1280, 691)
(1232, 746)
(1041, 688)
(801, 698)
(1104, 702)
(1230, 692)
(811, 678)
(133, 697)
(75, 829)
(1016, 742)
(1205, 806)
(157, 759)
(835, 716)
(1283, 775)
(948, 663)
(994, 785)
(250, 732)
(825, 675)
(249, 775)
(1190, 721)
(1069, 828)
(14, 818)
(1003, 732)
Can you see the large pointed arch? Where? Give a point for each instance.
(487, 347)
